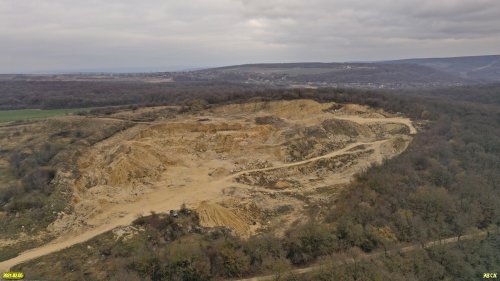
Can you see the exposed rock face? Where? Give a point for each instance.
(263, 154)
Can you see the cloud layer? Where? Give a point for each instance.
(44, 35)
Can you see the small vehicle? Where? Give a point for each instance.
(173, 213)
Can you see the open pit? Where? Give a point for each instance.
(264, 154)
(251, 167)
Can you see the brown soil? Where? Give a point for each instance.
(212, 214)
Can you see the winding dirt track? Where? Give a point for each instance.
(365, 120)
(339, 152)
(164, 199)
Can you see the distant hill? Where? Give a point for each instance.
(480, 68)
(395, 74)
(364, 75)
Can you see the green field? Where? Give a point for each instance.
(28, 114)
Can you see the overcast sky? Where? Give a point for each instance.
(73, 35)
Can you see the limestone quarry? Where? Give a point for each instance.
(251, 167)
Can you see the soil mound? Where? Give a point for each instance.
(212, 215)
(125, 164)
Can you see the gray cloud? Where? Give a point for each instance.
(39, 35)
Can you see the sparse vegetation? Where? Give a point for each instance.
(32, 197)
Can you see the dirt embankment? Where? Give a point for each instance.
(212, 214)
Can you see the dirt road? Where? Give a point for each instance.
(161, 200)
(318, 267)
(366, 120)
(339, 152)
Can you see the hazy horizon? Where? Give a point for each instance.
(42, 36)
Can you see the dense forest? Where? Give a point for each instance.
(73, 94)
(469, 260)
(485, 94)
(446, 184)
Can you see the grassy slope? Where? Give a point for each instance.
(26, 114)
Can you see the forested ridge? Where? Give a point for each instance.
(79, 94)
(447, 183)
